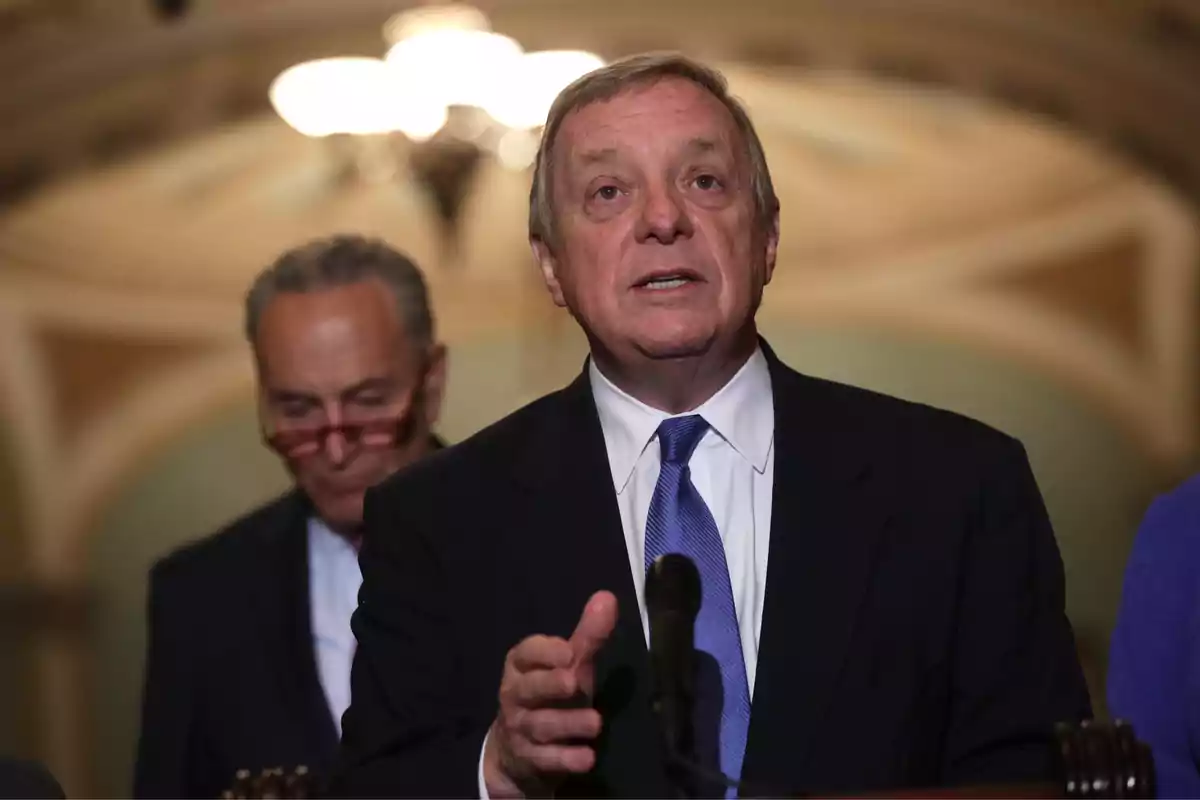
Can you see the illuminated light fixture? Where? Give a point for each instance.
(351, 95)
(522, 98)
(451, 86)
(453, 67)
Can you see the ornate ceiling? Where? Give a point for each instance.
(88, 81)
(866, 170)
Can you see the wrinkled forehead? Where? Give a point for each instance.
(331, 335)
(668, 119)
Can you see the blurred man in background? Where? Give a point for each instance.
(248, 663)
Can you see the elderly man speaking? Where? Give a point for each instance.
(882, 596)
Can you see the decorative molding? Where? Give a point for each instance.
(32, 607)
(945, 291)
(26, 396)
(116, 442)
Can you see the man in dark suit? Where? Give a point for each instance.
(882, 596)
(27, 780)
(249, 630)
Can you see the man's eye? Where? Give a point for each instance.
(370, 400)
(295, 410)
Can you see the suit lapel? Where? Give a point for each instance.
(825, 526)
(287, 626)
(576, 547)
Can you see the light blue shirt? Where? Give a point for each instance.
(333, 582)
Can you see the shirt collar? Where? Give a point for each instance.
(326, 542)
(742, 413)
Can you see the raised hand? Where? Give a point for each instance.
(545, 725)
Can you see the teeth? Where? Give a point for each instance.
(666, 283)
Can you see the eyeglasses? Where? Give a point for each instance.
(380, 433)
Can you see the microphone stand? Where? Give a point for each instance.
(672, 601)
(673, 715)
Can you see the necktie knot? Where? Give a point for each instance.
(678, 437)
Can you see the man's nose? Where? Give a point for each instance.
(337, 448)
(664, 215)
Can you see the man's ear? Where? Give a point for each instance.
(434, 389)
(549, 266)
(771, 247)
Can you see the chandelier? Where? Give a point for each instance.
(448, 92)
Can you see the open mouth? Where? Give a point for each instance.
(660, 281)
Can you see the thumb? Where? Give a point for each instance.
(595, 626)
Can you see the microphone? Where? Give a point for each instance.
(673, 594)
(672, 603)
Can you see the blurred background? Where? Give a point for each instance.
(988, 205)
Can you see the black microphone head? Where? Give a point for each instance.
(673, 585)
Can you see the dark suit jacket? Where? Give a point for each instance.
(913, 631)
(231, 676)
(27, 780)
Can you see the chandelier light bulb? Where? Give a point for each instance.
(335, 95)
(521, 98)
(452, 67)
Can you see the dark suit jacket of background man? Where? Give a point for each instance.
(27, 780)
(231, 671)
(913, 630)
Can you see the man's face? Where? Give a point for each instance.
(658, 251)
(348, 399)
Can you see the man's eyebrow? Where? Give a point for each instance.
(372, 384)
(291, 396)
(598, 156)
(703, 145)
(698, 144)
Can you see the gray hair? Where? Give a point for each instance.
(611, 80)
(341, 261)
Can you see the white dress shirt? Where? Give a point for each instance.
(733, 469)
(333, 582)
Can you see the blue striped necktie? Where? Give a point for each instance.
(680, 522)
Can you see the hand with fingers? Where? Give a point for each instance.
(545, 724)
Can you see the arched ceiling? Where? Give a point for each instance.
(88, 81)
(865, 169)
